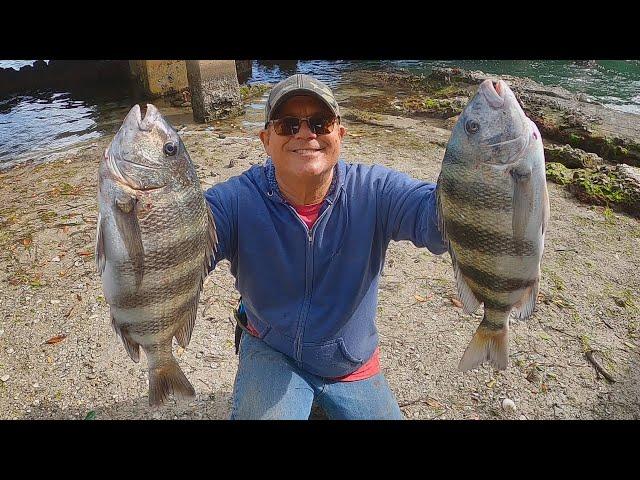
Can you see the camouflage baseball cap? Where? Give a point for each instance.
(299, 84)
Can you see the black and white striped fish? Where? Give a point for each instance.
(155, 243)
(493, 209)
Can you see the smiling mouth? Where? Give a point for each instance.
(307, 151)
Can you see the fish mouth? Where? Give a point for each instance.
(494, 92)
(138, 119)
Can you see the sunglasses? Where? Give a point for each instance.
(320, 124)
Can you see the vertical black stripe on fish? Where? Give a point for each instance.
(167, 256)
(182, 208)
(167, 321)
(480, 240)
(481, 194)
(158, 292)
(489, 325)
(496, 306)
(494, 282)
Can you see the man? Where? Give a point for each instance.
(306, 235)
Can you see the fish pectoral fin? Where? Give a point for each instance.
(469, 301)
(167, 379)
(183, 335)
(129, 229)
(524, 307)
(522, 201)
(99, 253)
(545, 209)
(132, 348)
(487, 345)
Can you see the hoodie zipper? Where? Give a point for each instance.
(297, 345)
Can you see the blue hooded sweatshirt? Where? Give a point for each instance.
(313, 294)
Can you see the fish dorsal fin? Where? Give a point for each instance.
(439, 210)
(212, 239)
(469, 301)
(183, 336)
(100, 255)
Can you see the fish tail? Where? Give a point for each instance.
(490, 344)
(166, 379)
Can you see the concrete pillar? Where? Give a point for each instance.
(244, 69)
(215, 91)
(159, 77)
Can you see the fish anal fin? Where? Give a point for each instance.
(524, 307)
(132, 348)
(183, 335)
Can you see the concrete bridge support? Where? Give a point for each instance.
(215, 91)
(214, 84)
(159, 77)
(243, 67)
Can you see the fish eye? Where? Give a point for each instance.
(471, 126)
(170, 148)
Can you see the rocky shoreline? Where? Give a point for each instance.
(59, 358)
(582, 135)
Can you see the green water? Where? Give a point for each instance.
(34, 123)
(614, 83)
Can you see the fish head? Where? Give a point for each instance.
(146, 152)
(492, 128)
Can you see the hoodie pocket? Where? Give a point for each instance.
(330, 359)
(261, 328)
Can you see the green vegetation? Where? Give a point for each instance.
(254, 90)
(558, 173)
(601, 187)
(585, 340)
(450, 91)
(363, 116)
(47, 215)
(609, 216)
(575, 140)
(558, 283)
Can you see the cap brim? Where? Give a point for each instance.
(301, 92)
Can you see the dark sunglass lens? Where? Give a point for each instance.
(321, 124)
(289, 126)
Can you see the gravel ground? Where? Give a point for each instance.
(52, 293)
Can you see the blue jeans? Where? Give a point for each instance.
(269, 385)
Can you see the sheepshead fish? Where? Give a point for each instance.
(493, 211)
(154, 245)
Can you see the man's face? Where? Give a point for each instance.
(304, 154)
